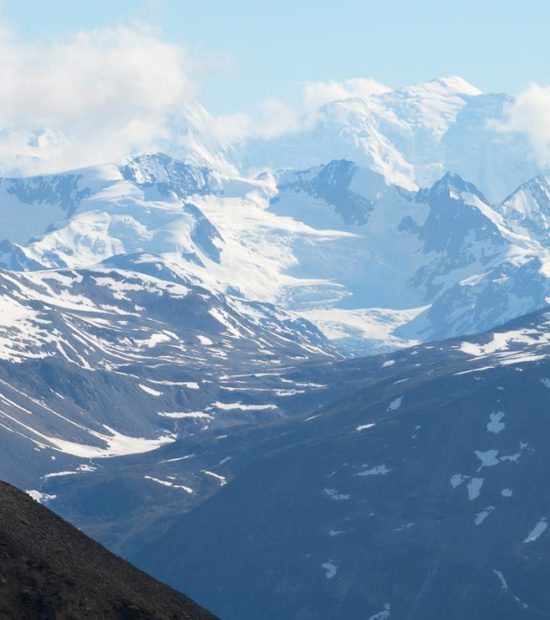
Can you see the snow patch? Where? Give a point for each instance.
(149, 390)
(395, 404)
(378, 470)
(117, 444)
(501, 578)
(239, 405)
(169, 483)
(330, 569)
(179, 415)
(221, 479)
(364, 427)
(41, 498)
(495, 424)
(474, 488)
(457, 480)
(333, 494)
(489, 458)
(537, 531)
(481, 516)
(382, 615)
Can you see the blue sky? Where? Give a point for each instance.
(251, 50)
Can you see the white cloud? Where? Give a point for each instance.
(276, 117)
(529, 115)
(230, 128)
(99, 96)
(318, 93)
(92, 97)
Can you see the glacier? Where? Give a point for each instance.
(375, 266)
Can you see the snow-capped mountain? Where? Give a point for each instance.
(103, 363)
(411, 135)
(153, 298)
(171, 340)
(373, 265)
(527, 210)
(439, 262)
(416, 494)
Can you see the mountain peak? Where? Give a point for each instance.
(528, 208)
(169, 174)
(457, 84)
(450, 181)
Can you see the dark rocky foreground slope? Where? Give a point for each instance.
(48, 569)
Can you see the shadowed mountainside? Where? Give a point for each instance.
(49, 569)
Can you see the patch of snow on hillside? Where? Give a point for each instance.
(41, 498)
(495, 424)
(537, 531)
(149, 390)
(378, 470)
(489, 458)
(330, 569)
(117, 444)
(382, 615)
(481, 516)
(335, 495)
(395, 404)
(169, 483)
(221, 479)
(239, 405)
(364, 427)
(474, 488)
(502, 341)
(180, 415)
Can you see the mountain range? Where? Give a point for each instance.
(373, 265)
(411, 135)
(251, 350)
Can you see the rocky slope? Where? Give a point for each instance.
(48, 569)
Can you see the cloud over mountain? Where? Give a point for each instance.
(89, 97)
(529, 115)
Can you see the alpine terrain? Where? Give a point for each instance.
(301, 375)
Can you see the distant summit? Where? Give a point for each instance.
(457, 84)
(412, 135)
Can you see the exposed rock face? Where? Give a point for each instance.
(48, 569)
